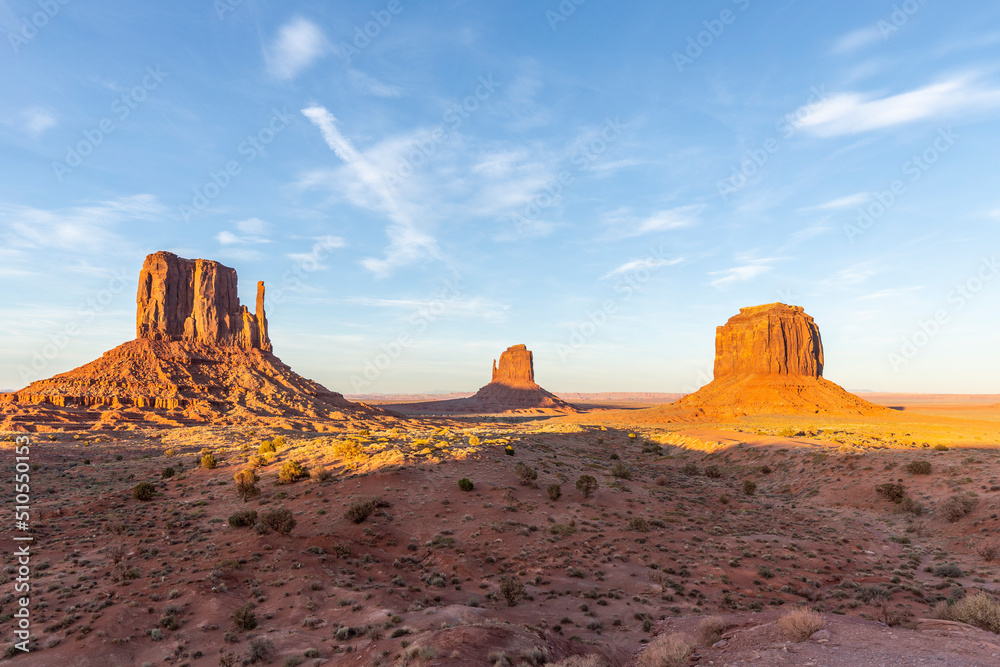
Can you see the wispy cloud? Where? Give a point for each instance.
(848, 201)
(856, 40)
(372, 86)
(472, 307)
(37, 121)
(640, 264)
(406, 243)
(738, 274)
(853, 113)
(890, 293)
(298, 44)
(624, 222)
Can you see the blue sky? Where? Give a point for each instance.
(423, 184)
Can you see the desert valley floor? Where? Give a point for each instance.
(368, 552)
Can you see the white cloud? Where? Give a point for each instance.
(738, 274)
(407, 244)
(298, 44)
(848, 201)
(254, 226)
(252, 230)
(853, 113)
(627, 224)
(37, 121)
(647, 264)
(473, 307)
(891, 292)
(372, 86)
(857, 39)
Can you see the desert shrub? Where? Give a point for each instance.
(671, 650)
(724, 499)
(525, 473)
(980, 610)
(713, 472)
(749, 487)
(267, 447)
(891, 491)
(509, 450)
(592, 660)
(291, 472)
(512, 590)
(256, 461)
(710, 630)
(586, 485)
(246, 484)
(958, 506)
(919, 467)
(638, 524)
(279, 441)
(650, 447)
(940, 447)
(280, 521)
(143, 491)
(322, 475)
(243, 519)
(168, 472)
(349, 450)
(244, 617)
(362, 508)
(989, 549)
(259, 650)
(621, 471)
(765, 572)
(170, 452)
(788, 432)
(208, 461)
(465, 484)
(910, 506)
(474, 440)
(765, 469)
(948, 571)
(554, 491)
(799, 624)
(690, 469)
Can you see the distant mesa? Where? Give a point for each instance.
(511, 390)
(199, 357)
(769, 360)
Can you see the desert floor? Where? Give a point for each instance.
(711, 531)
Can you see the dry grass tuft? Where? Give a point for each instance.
(979, 610)
(591, 660)
(671, 650)
(799, 624)
(710, 630)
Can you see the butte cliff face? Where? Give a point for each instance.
(512, 389)
(199, 358)
(196, 300)
(769, 340)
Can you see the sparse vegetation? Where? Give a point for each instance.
(671, 650)
(246, 484)
(168, 472)
(267, 447)
(586, 485)
(244, 618)
(891, 491)
(280, 521)
(980, 610)
(512, 590)
(292, 471)
(526, 474)
(958, 506)
(474, 440)
(208, 461)
(749, 487)
(710, 630)
(143, 491)
(243, 519)
(919, 467)
(554, 491)
(362, 508)
(800, 624)
(621, 471)
(465, 484)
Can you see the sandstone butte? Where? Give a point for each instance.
(512, 389)
(199, 357)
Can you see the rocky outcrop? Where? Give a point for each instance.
(200, 358)
(196, 300)
(517, 367)
(512, 390)
(775, 339)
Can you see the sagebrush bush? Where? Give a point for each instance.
(292, 471)
(465, 484)
(362, 508)
(638, 524)
(591, 660)
(244, 617)
(474, 440)
(713, 472)
(749, 487)
(800, 624)
(512, 590)
(280, 521)
(208, 461)
(246, 484)
(257, 461)
(621, 471)
(509, 450)
(671, 650)
(525, 473)
(710, 630)
(279, 441)
(891, 491)
(919, 467)
(243, 519)
(143, 491)
(554, 491)
(690, 470)
(989, 549)
(980, 610)
(168, 472)
(267, 447)
(586, 485)
(958, 506)
(349, 450)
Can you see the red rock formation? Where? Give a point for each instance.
(513, 389)
(196, 300)
(516, 367)
(199, 358)
(772, 339)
